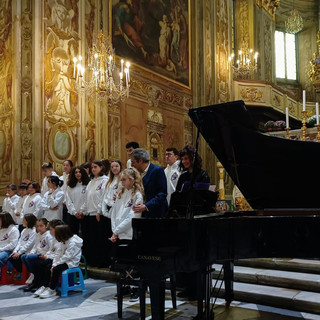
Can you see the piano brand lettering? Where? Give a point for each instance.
(149, 258)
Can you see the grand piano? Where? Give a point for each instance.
(279, 177)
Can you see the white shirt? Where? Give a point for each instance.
(10, 204)
(44, 186)
(172, 174)
(69, 252)
(110, 195)
(122, 214)
(64, 178)
(129, 164)
(42, 243)
(18, 219)
(94, 195)
(53, 249)
(75, 198)
(26, 241)
(9, 238)
(143, 174)
(32, 205)
(53, 200)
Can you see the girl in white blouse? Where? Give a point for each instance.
(76, 196)
(111, 192)
(26, 241)
(131, 194)
(32, 204)
(9, 235)
(92, 247)
(52, 202)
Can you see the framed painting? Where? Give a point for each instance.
(154, 35)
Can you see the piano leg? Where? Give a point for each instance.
(228, 267)
(157, 296)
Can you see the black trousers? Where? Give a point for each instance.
(96, 246)
(17, 263)
(54, 279)
(75, 224)
(42, 272)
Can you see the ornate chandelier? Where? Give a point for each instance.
(294, 24)
(247, 61)
(101, 79)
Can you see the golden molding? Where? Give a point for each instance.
(269, 6)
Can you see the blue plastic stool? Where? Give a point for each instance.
(67, 286)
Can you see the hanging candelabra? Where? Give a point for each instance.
(102, 79)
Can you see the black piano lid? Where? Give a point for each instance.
(271, 172)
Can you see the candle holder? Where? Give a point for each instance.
(318, 132)
(304, 125)
(288, 132)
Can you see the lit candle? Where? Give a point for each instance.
(74, 66)
(128, 73)
(304, 100)
(287, 118)
(122, 65)
(317, 112)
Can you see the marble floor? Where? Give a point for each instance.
(99, 303)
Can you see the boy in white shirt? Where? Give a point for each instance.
(11, 200)
(172, 171)
(23, 192)
(47, 171)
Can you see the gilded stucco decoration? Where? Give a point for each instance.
(209, 88)
(188, 128)
(6, 107)
(251, 94)
(90, 145)
(268, 49)
(155, 131)
(60, 143)
(26, 90)
(222, 51)
(61, 98)
(269, 6)
(114, 135)
(244, 34)
(155, 95)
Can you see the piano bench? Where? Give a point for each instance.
(142, 285)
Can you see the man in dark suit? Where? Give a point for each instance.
(154, 183)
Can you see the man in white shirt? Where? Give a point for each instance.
(130, 146)
(172, 170)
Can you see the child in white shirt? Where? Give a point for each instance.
(9, 235)
(52, 202)
(23, 192)
(47, 170)
(26, 241)
(32, 204)
(76, 196)
(68, 256)
(11, 200)
(131, 194)
(92, 211)
(41, 246)
(42, 267)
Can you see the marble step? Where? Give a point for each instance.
(285, 298)
(276, 278)
(295, 265)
